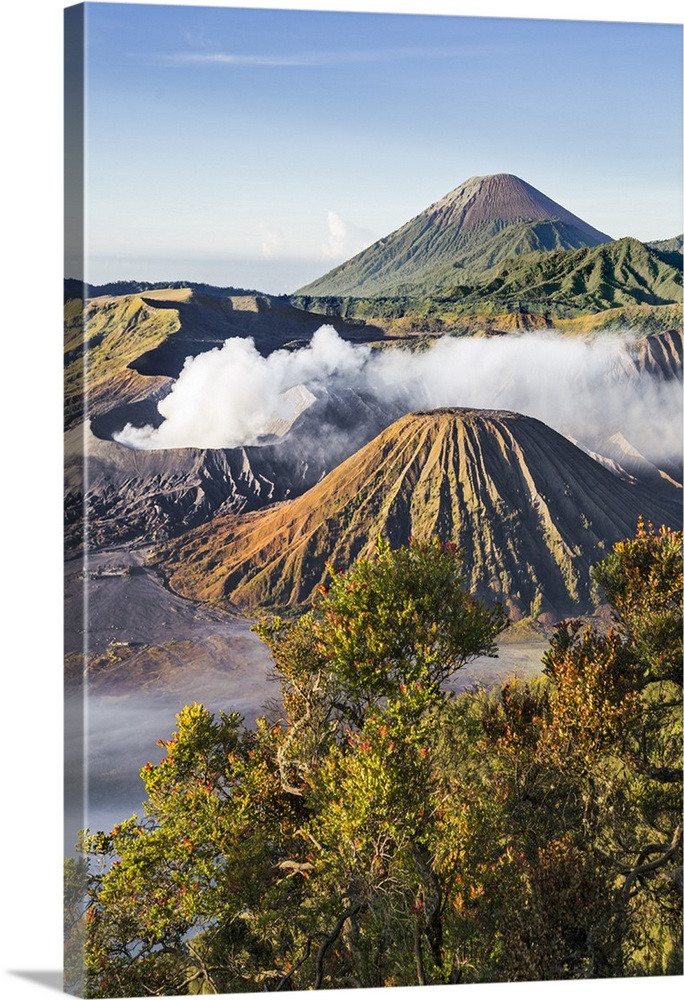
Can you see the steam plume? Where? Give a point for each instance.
(583, 388)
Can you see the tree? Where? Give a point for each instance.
(643, 581)
(614, 724)
(403, 617)
(363, 679)
(396, 619)
(204, 859)
(375, 829)
(281, 857)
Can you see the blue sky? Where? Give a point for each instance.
(261, 147)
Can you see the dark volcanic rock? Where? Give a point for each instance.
(206, 322)
(140, 496)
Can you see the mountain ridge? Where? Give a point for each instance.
(623, 272)
(136, 344)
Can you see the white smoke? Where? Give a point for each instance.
(231, 395)
(583, 388)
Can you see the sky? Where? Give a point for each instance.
(259, 148)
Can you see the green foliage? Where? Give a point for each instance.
(642, 579)
(615, 725)
(403, 618)
(75, 908)
(375, 829)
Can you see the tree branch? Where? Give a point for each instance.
(330, 939)
(648, 867)
(288, 976)
(665, 775)
(418, 954)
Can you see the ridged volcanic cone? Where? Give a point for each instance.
(530, 511)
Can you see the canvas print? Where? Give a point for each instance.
(373, 500)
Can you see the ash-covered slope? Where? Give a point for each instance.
(505, 198)
(134, 497)
(655, 360)
(530, 511)
(658, 355)
(138, 496)
(484, 221)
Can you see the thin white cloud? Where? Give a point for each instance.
(233, 59)
(271, 242)
(344, 239)
(313, 59)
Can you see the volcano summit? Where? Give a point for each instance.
(482, 222)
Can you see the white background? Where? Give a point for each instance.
(30, 483)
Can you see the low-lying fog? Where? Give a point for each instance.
(119, 733)
(179, 653)
(161, 652)
(121, 730)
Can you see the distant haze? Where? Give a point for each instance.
(230, 396)
(278, 275)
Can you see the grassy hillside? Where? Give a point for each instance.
(417, 261)
(610, 286)
(622, 273)
(135, 344)
(105, 336)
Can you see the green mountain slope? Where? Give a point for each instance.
(669, 251)
(621, 273)
(618, 284)
(474, 227)
(674, 243)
